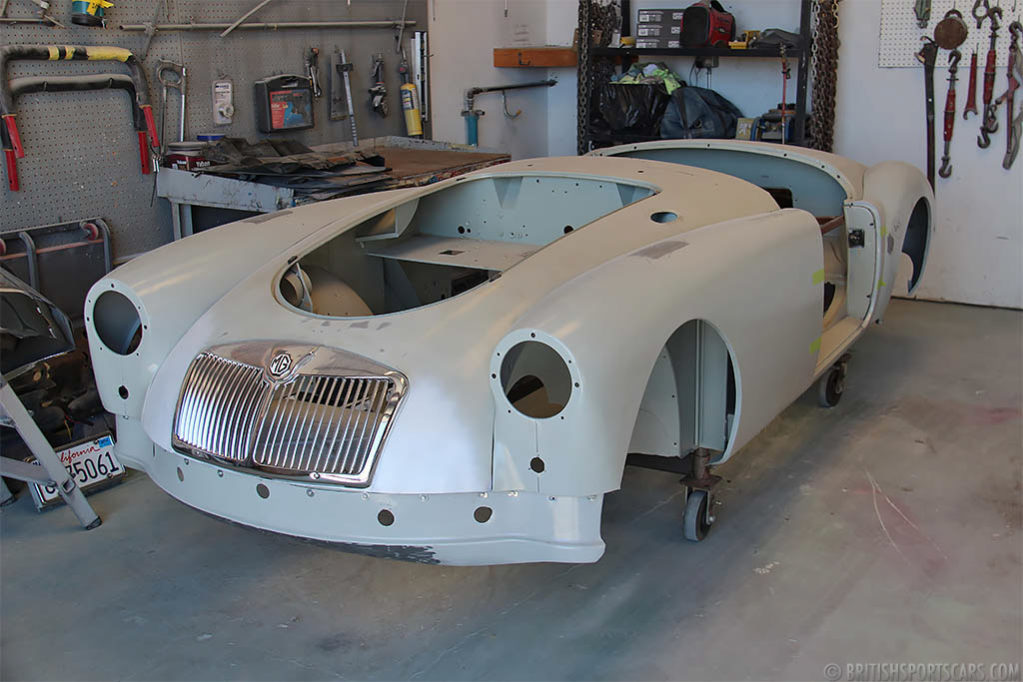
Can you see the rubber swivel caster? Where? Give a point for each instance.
(697, 518)
(831, 385)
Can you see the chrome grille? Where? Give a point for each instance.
(323, 424)
(327, 421)
(219, 403)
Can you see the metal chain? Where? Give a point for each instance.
(585, 85)
(598, 21)
(823, 74)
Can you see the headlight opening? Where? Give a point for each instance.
(535, 379)
(117, 322)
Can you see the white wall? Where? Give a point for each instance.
(463, 35)
(977, 250)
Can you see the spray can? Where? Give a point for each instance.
(89, 12)
(410, 105)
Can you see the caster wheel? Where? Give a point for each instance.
(830, 387)
(697, 518)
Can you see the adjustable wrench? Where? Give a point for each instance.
(950, 112)
(1014, 127)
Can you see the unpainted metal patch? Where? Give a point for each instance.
(418, 554)
(661, 249)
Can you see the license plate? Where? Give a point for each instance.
(91, 463)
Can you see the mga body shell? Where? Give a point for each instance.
(608, 298)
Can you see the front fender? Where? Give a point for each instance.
(172, 286)
(752, 278)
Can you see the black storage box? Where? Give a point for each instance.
(284, 103)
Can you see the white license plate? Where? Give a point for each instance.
(90, 463)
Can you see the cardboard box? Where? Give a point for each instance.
(658, 43)
(659, 16)
(658, 30)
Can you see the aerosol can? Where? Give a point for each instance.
(410, 103)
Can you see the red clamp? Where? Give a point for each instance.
(12, 170)
(147, 111)
(12, 130)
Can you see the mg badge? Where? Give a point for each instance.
(279, 365)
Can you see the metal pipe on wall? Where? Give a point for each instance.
(270, 26)
(472, 115)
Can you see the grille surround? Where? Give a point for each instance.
(324, 419)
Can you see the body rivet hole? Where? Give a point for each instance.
(123, 392)
(262, 491)
(181, 474)
(537, 465)
(385, 517)
(482, 514)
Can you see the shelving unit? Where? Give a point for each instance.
(625, 56)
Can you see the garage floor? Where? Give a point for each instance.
(885, 530)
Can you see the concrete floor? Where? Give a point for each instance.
(885, 530)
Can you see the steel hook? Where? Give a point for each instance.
(984, 139)
(981, 16)
(953, 60)
(946, 167)
(995, 14)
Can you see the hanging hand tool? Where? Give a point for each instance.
(171, 76)
(951, 31)
(950, 112)
(344, 68)
(922, 9)
(1014, 125)
(378, 93)
(990, 124)
(928, 55)
(971, 91)
(312, 70)
(10, 140)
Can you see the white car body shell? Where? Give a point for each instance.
(608, 298)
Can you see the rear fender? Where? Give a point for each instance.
(905, 202)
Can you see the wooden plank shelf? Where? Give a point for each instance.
(548, 56)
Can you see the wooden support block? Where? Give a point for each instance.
(543, 57)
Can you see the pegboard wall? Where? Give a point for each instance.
(81, 151)
(900, 34)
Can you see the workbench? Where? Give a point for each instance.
(410, 162)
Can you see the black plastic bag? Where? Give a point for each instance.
(633, 109)
(699, 113)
